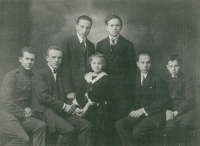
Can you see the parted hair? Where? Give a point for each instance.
(84, 17)
(97, 55)
(113, 17)
(53, 48)
(173, 58)
(144, 53)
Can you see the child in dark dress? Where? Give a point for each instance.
(97, 94)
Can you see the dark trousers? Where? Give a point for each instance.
(176, 133)
(15, 130)
(132, 130)
(73, 130)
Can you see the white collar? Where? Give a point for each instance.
(51, 68)
(81, 39)
(145, 75)
(88, 77)
(115, 38)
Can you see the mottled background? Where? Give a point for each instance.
(160, 26)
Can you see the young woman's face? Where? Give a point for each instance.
(96, 65)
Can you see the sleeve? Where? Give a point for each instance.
(161, 99)
(7, 93)
(42, 92)
(66, 68)
(188, 101)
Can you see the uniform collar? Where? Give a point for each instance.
(26, 72)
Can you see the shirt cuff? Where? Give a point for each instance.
(63, 107)
(145, 112)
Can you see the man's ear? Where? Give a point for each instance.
(76, 26)
(137, 64)
(106, 27)
(20, 59)
(47, 58)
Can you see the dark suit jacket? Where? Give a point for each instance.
(74, 67)
(120, 64)
(152, 96)
(48, 95)
(182, 99)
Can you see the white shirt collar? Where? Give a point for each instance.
(81, 39)
(115, 38)
(54, 74)
(145, 75)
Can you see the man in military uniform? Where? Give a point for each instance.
(16, 116)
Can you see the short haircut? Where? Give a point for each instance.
(173, 58)
(29, 50)
(144, 53)
(84, 17)
(97, 55)
(113, 17)
(53, 48)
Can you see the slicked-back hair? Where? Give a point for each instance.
(97, 55)
(173, 58)
(113, 17)
(84, 17)
(53, 48)
(144, 53)
(28, 49)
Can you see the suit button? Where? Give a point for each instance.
(172, 96)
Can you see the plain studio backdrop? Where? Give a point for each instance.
(159, 26)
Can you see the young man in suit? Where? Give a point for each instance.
(181, 113)
(76, 51)
(16, 115)
(51, 105)
(119, 54)
(148, 112)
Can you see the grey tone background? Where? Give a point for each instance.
(162, 27)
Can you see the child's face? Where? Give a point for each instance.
(96, 65)
(173, 67)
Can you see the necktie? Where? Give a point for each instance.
(174, 78)
(83, 46)
(112, 45)
(143, 78)
(55, 71)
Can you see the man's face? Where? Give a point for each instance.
(144, 63)
(28, 60)
(173, 67)
(54, 58)
(83, 28)
(114, 27)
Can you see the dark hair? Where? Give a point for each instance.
(53, 48)
(144, 53)
(113, 17)
(173, 58)
(29, 50)
(84, 17)
(97, 55)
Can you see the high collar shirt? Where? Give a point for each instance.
(54, 74)
(81, 39)
(113, 38)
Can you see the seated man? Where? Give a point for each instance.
(148, 112)
(16, 116)
(51, 106)
(180, 114)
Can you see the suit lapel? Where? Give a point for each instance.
(106, 48)
(146, 83)
(77, 47)
(172, 83)
(118, 47)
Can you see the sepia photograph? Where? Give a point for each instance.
(99, 73)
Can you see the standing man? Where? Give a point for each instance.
(180, 115)
(119, 54)
(51, 105)
(76, 51)
(148, 112)
(16, 116)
